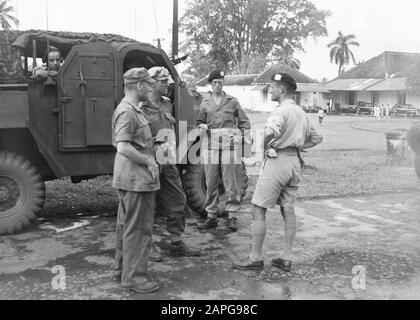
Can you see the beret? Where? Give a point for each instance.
(284, 78)
(215, 75)
(136, 75)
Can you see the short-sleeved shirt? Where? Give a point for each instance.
(224, 120)
(292, 127)
(129, 124)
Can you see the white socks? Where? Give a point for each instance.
(258, 229)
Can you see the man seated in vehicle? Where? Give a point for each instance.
(52, 62)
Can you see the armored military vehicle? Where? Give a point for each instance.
(54, 129)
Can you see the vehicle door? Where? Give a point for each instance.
(88, 93)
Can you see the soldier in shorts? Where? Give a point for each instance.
(287, 131)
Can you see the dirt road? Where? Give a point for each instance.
(348, 248)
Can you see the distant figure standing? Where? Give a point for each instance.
(387, 111)
(377, 112)
(321, 116)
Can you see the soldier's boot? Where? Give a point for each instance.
(155, 255)
(180, 249)
(210, 223)
(232, 224)
(142, 286)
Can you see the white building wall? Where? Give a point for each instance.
(306, 99)
(364, 96)
(413, 99)
(338, 97)
(249, 99)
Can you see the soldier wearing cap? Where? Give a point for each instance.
(221, 117)
(159, 111)
(136, 177)
(288, 130)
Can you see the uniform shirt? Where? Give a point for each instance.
(129, 124)
(227, 119)
(159, 116)
(292, 127)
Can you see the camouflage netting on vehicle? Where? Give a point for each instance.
(17, 44)
(11, 70)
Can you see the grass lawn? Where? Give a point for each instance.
(349, 161)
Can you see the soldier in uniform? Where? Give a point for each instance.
(171, 196)
(52, 61)
(136, 177)
(221, 117)
(287, 131)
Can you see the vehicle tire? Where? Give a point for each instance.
(195, 188)
(22, 193)
(417, 164)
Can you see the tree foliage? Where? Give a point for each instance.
(6, 17)
(340, 52)
(245, 34)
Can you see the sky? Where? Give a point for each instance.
(379, 25)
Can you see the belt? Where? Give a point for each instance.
(288, 149)
(298, 153)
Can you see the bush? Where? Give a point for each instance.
(413, 137)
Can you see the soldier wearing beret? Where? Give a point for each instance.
(288, 130)
(159, 111)
(225, 124)
(136, 177)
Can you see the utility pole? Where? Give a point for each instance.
(175, 32)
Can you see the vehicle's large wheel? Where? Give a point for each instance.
(22, 193)
(194, 183)
(417, 164)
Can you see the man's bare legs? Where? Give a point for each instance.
(289, 218)
(259, 230)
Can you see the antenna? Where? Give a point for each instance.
(159, 42)
(159, 39)
(46, 11)
(135, 23)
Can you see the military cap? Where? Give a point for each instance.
(160, 74)
(216, 75)
(137, 75)
(284, 78)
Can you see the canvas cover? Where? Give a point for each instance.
(16, 44)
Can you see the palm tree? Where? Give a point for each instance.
(340, 52)
(5, 16)
(291, 62)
